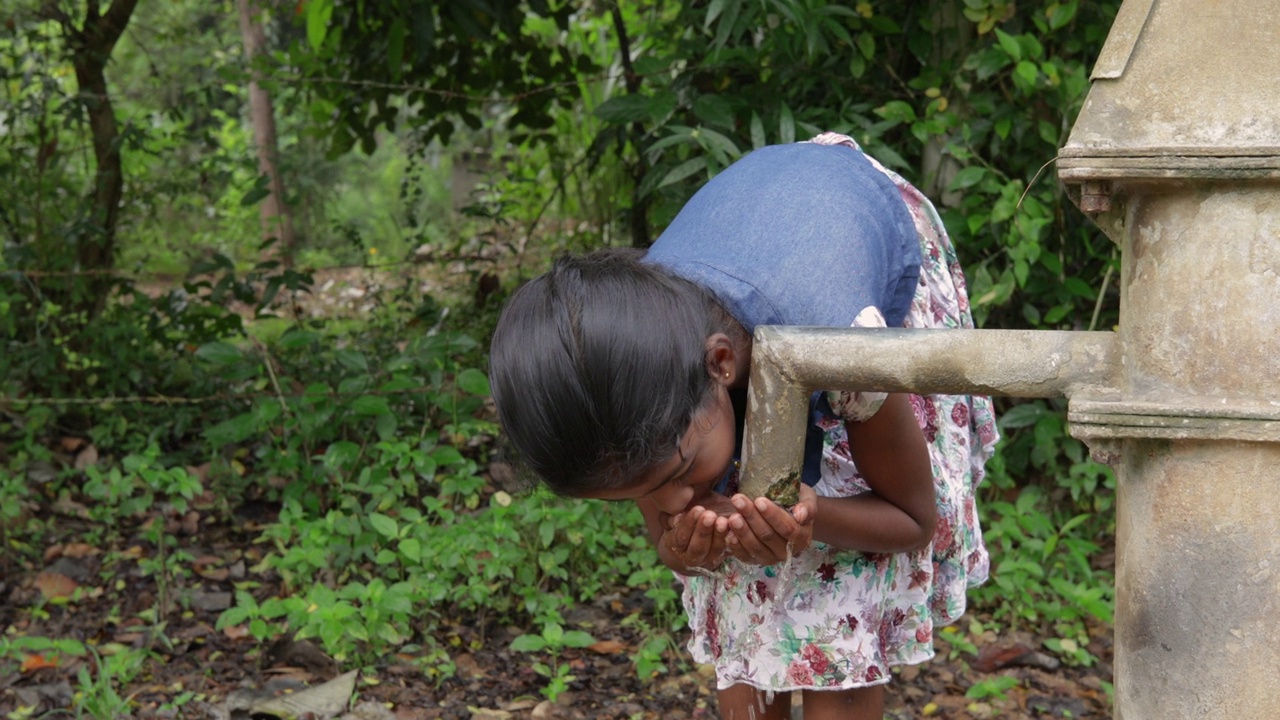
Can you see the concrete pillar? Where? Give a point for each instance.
(1176, 154)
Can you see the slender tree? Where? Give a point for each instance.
(89, 42)
(277, 218)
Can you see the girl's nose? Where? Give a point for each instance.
(672, 498)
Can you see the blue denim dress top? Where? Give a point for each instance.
(820, 234)
(799, 234)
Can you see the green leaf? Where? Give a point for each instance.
(236, 430)
(341, 453)
(474, 382)
(728, 20)
(1061, 13)
(352, 360)
(1079, 288)
(370, 405)
(1028, 72)
(714, 8)
(1020, 416)
(722, 147)
(786, 126)
(294, 338)
(1020, 272)
(1010, 44)
(684, 170)
(528, 643)
(386, 426)
(412, 549)
(219, 352)
(1056, 313)
(395, 48)
(1048, 132)
(967, 177)
(714, 110)
(857, 66)
(867, 45)
(897, 111)
(757, 132)
(446, 455)
(624, 109)
(255, 195)
(319, 12)
(577, 639)
(385, 525)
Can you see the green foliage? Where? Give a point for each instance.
(98, 689)
(994, 687)
(98, 682)
(1045, 539)
(969, 100)
(425, 63)
(553, 640)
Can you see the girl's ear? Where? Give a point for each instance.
(722, 359)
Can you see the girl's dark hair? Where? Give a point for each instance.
(597, 368)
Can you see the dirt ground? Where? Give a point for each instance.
(195, 671)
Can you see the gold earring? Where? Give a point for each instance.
(726, 375)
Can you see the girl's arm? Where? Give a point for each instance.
(897, 515)
(900, 511)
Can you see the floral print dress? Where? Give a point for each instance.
(838, 619)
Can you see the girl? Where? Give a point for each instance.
(621, 376)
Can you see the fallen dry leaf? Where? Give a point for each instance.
(608, 647)
(86, 458)
(236, 632)
(994, 657)
(55, 585)
(320, 701)
(206, 566)
(40, 661)
(75, 551)
(65, 506)
(79, 551)
(70, 444)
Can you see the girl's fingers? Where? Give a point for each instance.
(703, 535)
(753, 537)
(772, 525)
(682, 527)
(806, 509)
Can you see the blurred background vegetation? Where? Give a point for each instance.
(252, 251)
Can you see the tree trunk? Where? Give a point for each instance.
(638, 219)
(277, 218)
(91, 46)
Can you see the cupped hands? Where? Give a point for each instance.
(755, 531)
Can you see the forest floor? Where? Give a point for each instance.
(68, 585)
(188, 669)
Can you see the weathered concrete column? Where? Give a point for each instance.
(1176, 153)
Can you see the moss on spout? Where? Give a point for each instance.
(785, 491)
